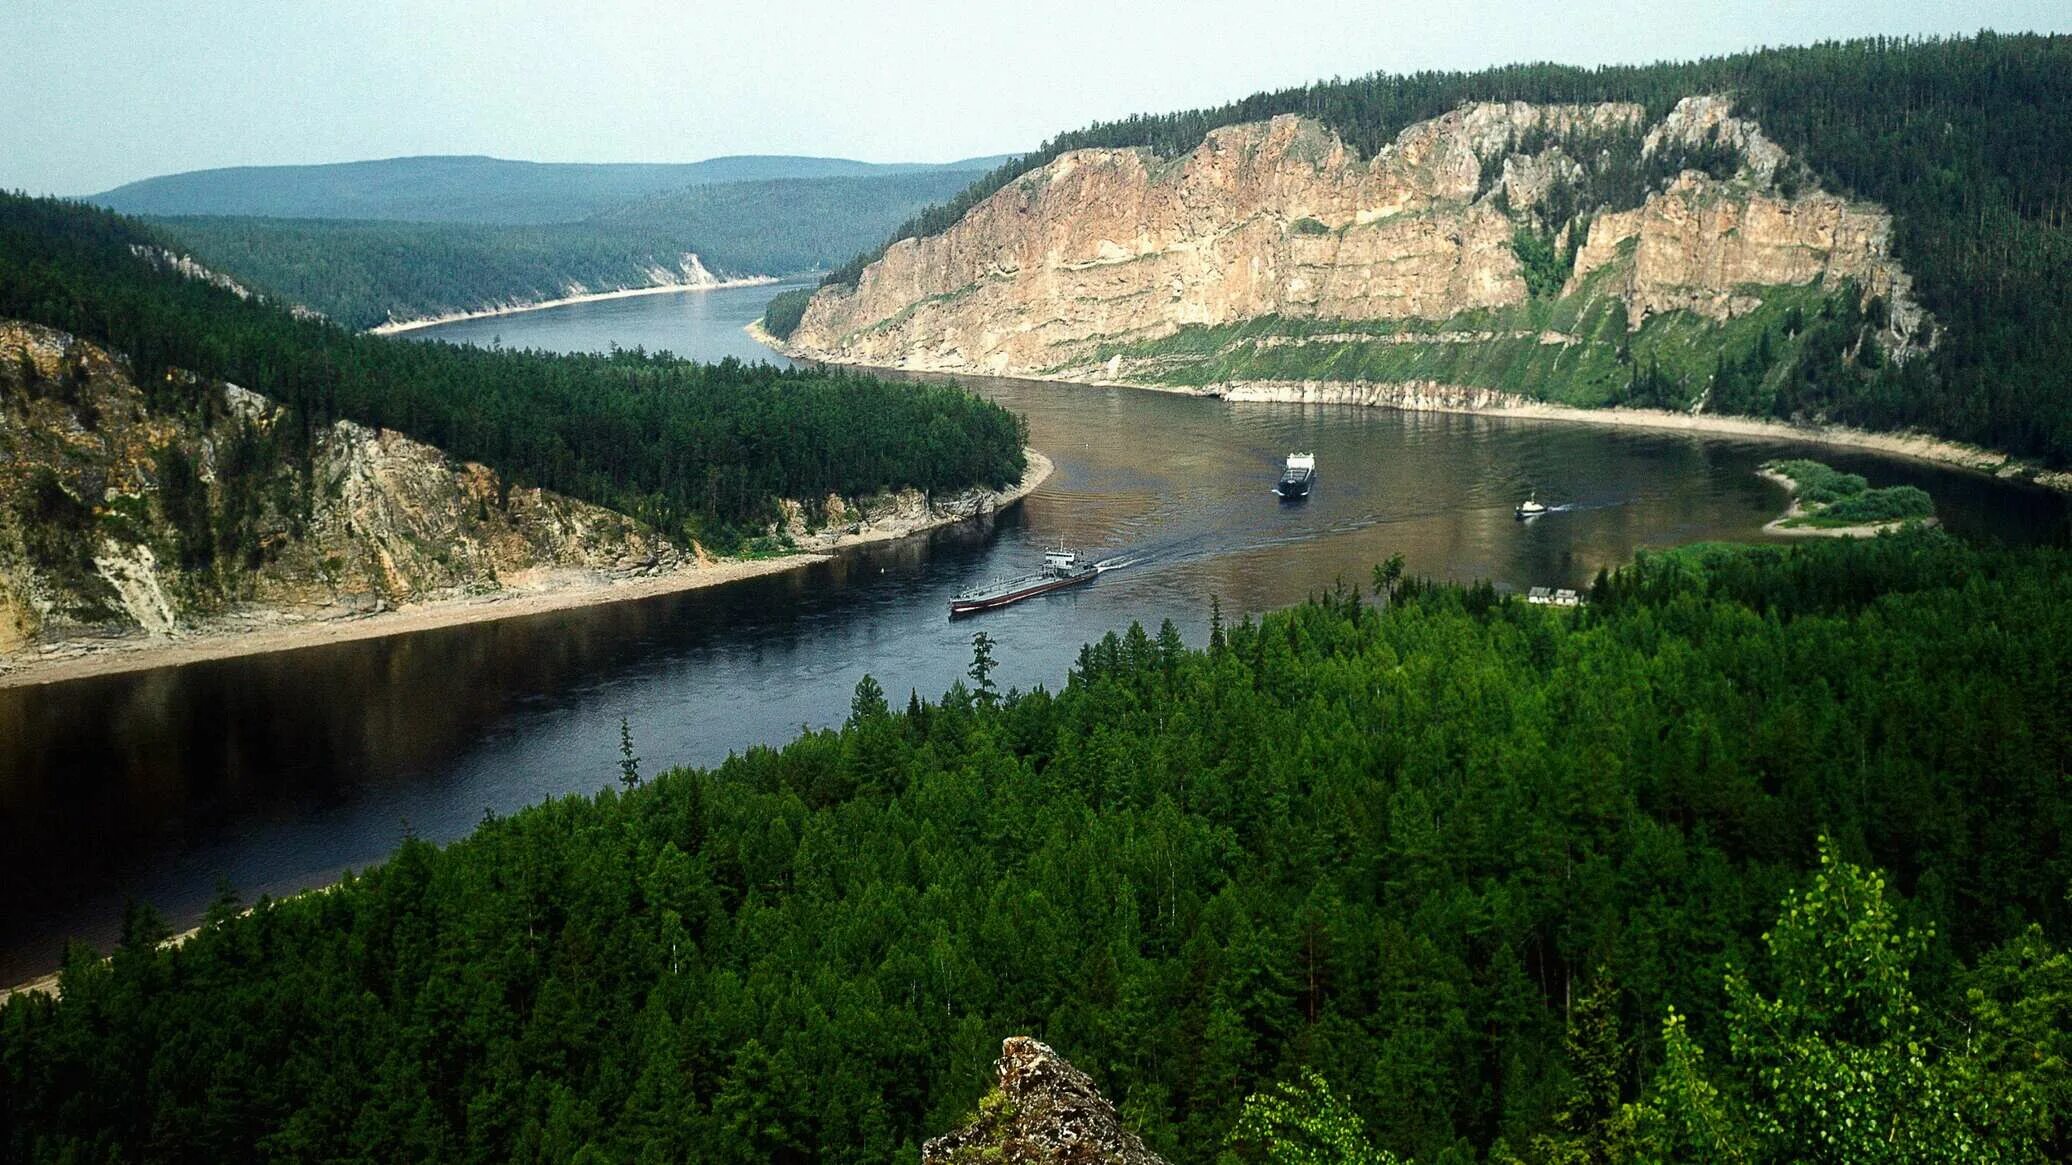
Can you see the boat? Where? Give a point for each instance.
(1061, 569)
(1297, 476)
(1531, 507)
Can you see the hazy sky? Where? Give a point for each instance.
(98, 93)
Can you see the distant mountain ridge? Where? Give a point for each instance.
(467, 188)
(367, 272)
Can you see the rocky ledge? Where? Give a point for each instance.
(1044, 1112)
(1103, 250)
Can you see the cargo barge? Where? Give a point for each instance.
(1061, 569)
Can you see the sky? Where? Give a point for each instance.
(97, 92)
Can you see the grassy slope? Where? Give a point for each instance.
(1586, 372)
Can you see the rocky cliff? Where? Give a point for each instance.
(1044, 1112)
(200, 506)
(119, 513)
(1119, 265)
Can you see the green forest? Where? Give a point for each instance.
(362, 272)
(1758, 856)
(1967, 141)
(786, 226)
(696, 450)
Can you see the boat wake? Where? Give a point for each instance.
(1118, 562)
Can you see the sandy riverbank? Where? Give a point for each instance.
(557, 592)
(1442, 398)
(394, 326)
(47, 984)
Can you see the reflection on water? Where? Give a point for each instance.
(276, 771)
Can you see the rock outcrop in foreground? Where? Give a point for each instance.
(1078, 269)
(1045, 1112)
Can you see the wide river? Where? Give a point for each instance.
(275, 772)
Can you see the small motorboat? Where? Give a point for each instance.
(1531, 507)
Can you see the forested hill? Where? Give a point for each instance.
(695, 450)
(782, 226)
(464, 189)
(1488, 871)
(362, 273)
(1968, 142)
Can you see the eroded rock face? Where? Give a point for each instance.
(383, 520)
(1281, 218)
(1707, 247)
(1045, 1112)
(1710, 117)
(90, 548)
(1272, 217)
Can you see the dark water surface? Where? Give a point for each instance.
(275, 772)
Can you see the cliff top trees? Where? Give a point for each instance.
(698, 450)
(1967, 140)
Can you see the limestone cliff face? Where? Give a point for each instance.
(1280, 218)
(1045, 1112)
(1710, 247)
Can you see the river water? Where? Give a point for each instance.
(275, 772)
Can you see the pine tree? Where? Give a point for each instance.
(629, 765)
(1596, 1058)
(868, 702)
(982, 665)
(1386, 577)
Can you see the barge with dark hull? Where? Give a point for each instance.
(1061, 569)
(1297, 477)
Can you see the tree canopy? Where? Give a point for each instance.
(1456, 854)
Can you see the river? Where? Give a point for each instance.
(274, 773)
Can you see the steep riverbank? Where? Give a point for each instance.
(395, 327)
(1439, 398)
(1496, 259)
(259, 631)
(1429, 397)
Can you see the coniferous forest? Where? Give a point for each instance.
(697, 450)
(1759, 856)
(1968, 142)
